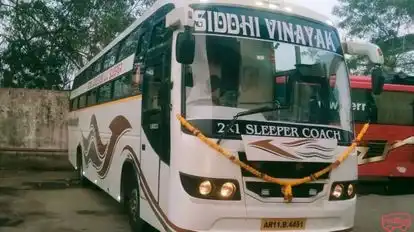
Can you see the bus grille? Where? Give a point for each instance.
(290, 170)
(375, 148)
(271, 190)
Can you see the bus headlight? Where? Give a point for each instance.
(227, 190)
(205, 188)
(342, 190)
(350, 190)
(337, 191)
(210, 188)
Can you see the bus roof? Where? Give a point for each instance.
(280, 6)
(364, 82)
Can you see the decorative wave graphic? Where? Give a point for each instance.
(99, 154)
(298, 143)
(319, 148)
(313, 155)
(265, 145)
(307, 145)
(303, 149)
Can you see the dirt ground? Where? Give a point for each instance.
(53, 202)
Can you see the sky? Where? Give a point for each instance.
(321, 6)
(324, 7)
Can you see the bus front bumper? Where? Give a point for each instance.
(320, 216)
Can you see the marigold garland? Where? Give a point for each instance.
(286, 184)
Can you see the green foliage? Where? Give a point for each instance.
(384, 22)
(43, 41)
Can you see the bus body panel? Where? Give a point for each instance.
(387, 150)
(103, 133)
(246, 214)
(165, 204)
(395, 158)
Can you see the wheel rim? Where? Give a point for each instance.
(133, 204)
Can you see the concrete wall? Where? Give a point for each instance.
(33, 128)
(33, 119)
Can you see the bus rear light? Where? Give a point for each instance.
(342, 191)
(210, 188)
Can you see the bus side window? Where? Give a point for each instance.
(75, 103)
(82, 101)
(122, 86)
(83, 78)
(160, 34)
(129, 44)
(110, 57)
(96, 69)
(142, 43)
(76, 81)
(137, 75)
(88, 74)
(92, 97)
(105, 92)
(141, 48)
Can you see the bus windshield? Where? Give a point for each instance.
(382, 109)
(230, 75)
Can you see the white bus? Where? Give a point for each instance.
(206, 64)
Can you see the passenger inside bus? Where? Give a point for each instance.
(230, 77)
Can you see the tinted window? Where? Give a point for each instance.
(83, 78)
(75, 104)
(97, 67)
(129, 45)
(105, 92)
(158, 34)
(76, 82)
(392, 108)
(82, 101)
(110, 57)
(122, 86)
(88, 74)
(153, 77)
(92, 97)
(142, 43)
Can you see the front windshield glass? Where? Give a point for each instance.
(231, 74)
(382, 109)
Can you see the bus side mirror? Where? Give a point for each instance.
(377, 80)
(372, 51)
(185, 47)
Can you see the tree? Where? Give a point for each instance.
(386, 23)
(42, 42)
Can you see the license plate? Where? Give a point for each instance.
(283, 224)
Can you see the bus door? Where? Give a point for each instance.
(155, 132)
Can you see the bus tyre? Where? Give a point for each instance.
(82, 179)
(133, 204)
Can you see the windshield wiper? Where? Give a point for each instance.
(249, 112)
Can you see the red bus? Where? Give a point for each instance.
(387, 149)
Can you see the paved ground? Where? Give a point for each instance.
(57, 207)
(54, 207)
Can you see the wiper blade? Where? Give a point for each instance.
(249, 112)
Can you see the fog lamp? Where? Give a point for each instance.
(350, 190)
(227, 190)
(337, 192)
(205, 187)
